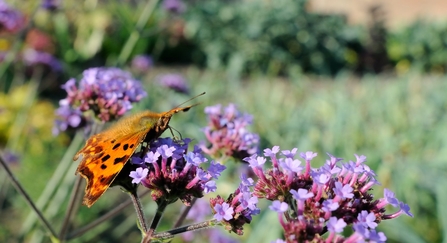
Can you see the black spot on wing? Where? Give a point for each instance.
(113, 141)
(131, 146)
(116, 146)
(120, 160)
(125, 146)
(105, 158)
(103, 166)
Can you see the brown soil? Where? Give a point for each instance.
(398, 12)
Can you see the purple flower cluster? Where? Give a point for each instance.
(106, 92)
(172, 172)
(317, 200)
(238, 209)
(228, 134)
(10, 19)
(175, 82)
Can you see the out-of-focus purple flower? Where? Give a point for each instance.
(142, 63)
(175, 82)
(10, 157)
(170, 176)
(174, 6)
(330, 197)
(199, 211)
(10, 19)
(216, 236)
(108, 93)
(68, 118)
(50, 4)
(227, 132)
(32, 57)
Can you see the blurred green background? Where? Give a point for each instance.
(311, 80)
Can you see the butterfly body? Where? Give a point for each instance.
(105, 154)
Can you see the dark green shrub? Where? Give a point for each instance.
(272, 37)
(422, 45)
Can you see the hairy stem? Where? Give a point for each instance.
(139, 209)
(171, 233)
(155, 221)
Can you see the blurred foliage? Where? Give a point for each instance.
(422, 45)
(275, 37)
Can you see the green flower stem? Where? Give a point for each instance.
(171, 233)
(155, 221)
(78, 232)
(71, 206)
(139, 209)
(22, 191)
(20, 123)
(54, 181)
(135, 35)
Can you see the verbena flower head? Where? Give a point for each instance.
(175, 82)
(172, 172)
(10, 19)
(237, 210)
(142, 63)
(107, 93)
(325, 199)
(228, 134)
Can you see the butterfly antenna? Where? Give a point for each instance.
(190, 100)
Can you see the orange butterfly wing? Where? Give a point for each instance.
(103, 158)
(106, 153)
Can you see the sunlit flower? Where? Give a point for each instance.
(237, 210)
(173, 171)
(107, 93)
(227, 132)
(330, 197)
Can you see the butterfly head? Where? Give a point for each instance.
(163, 121)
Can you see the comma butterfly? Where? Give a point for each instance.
(105, 154)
